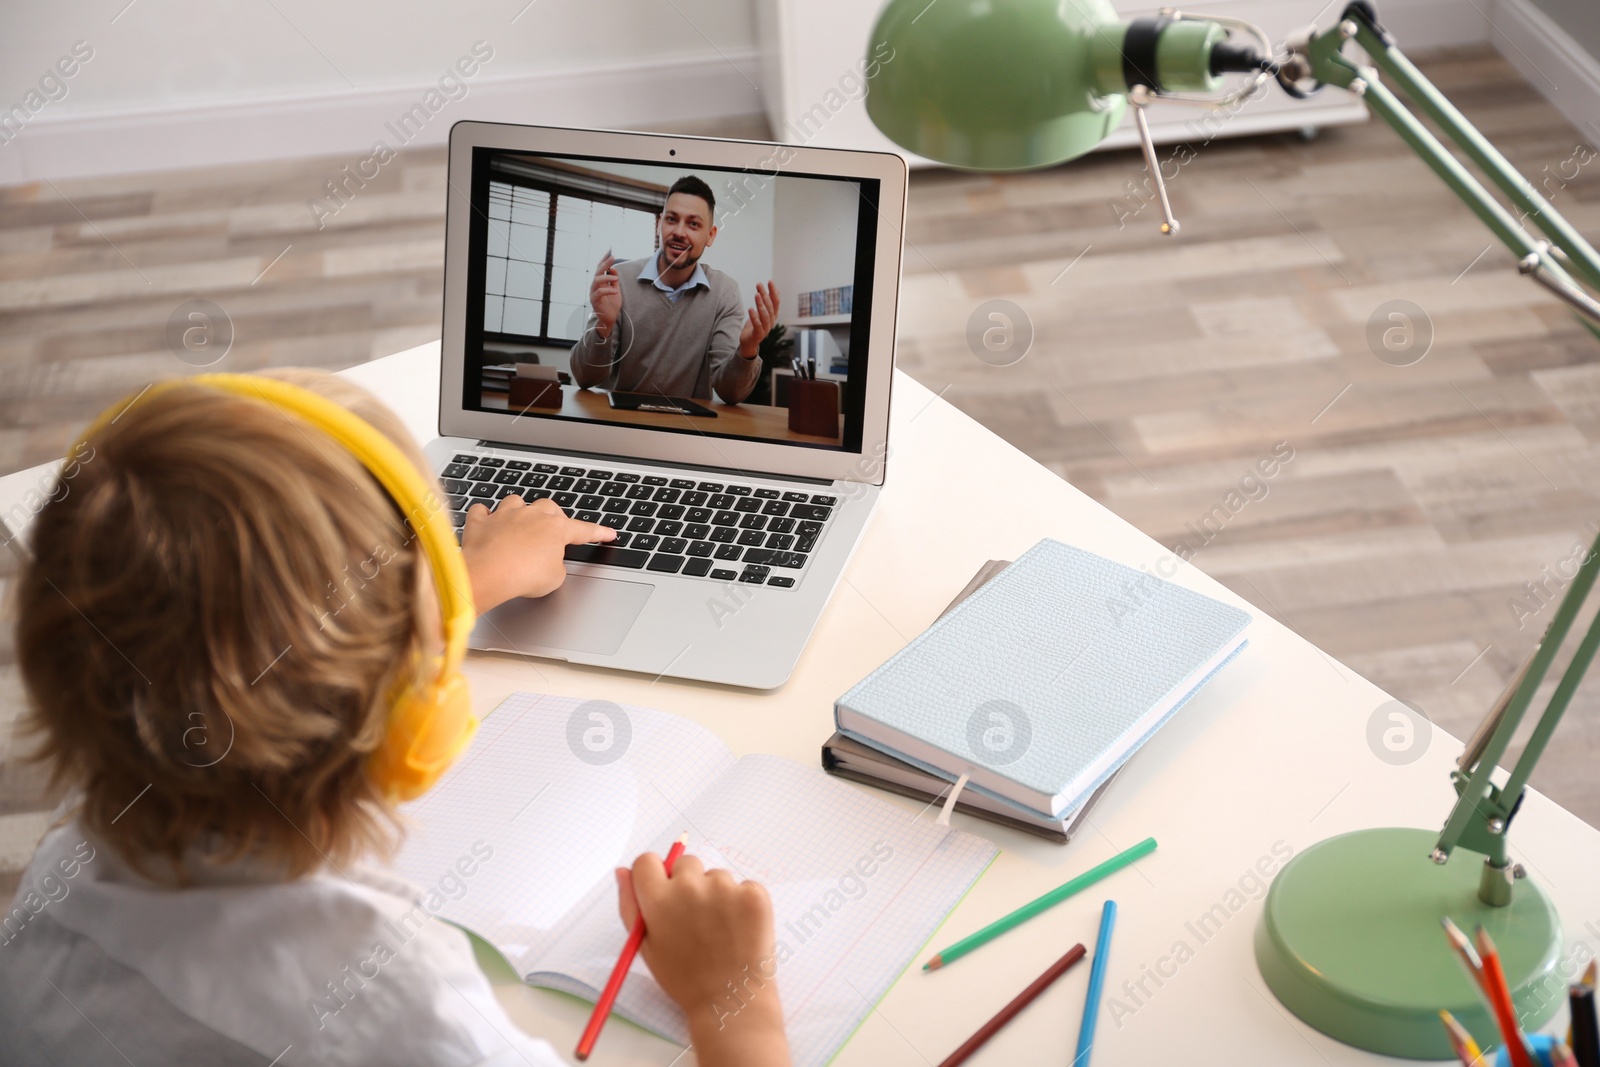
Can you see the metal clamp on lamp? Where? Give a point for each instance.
(1350, 936)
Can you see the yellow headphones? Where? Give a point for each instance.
(429, 724)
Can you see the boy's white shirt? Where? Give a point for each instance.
(341, 967)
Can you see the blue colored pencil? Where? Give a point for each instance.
(1097, 985)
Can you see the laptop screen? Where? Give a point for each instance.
(692, 300)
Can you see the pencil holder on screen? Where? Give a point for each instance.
(814, 407)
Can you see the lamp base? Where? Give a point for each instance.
(1350, 941)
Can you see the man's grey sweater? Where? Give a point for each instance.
(681, 349)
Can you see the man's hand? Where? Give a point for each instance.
(605, 295)
(760, 320)
(705, 929)
(516, 550)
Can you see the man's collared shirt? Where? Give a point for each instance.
(652, 274)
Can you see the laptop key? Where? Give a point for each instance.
(729, 552)
(710, 487)
(587, 516)
(616, 522)
(697, 568)
(646, 542)
(671, 511)
(518, 465)
(654, 479)
(701, 548)
(665, 495)
(693, 500)
(725, 518)
(626, 477)
(530, 495)
(546, 468)
(784, 525)
(456, 470)
(739, 490)
(698, 515)
(602, 475)
(754, 538)
(811, 511)
(576, 472)
(720, 500)
(669, 527)
(482, 489)
(638, 492)
(722, 575)
(783, 541)
(535, 481)
(586, 485)
(507, 490)
(613, 489)
(748, 505)
(615, 506)
(591, 502)
(682, 483)
(754, 575)
(767, 494)
(809, 529)
(796, 498)
(674, 545)
(458, 503)
(491, 461)
(775, 507)
(723, 534)
(622, 539)
(562, 483)
(567, 501)
(507, 478)
(457, 519)
(643, 507)
(753, 522)
(464, 457)
(697, 531)
(664, 563)
(608, 554)
(806, 543)
(455, 486)
(641, 524)
(782, 581)
(480, 473)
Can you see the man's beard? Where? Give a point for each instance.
(690, 258)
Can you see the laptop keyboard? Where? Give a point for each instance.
(723, 531)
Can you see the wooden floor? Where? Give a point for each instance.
(1419, 500)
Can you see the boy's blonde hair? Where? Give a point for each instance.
(221, 606)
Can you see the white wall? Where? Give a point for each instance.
(175, 83)
(815, 240)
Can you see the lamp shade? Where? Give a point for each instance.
(997, 84)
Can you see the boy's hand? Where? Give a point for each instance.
(516, 550)
(704, 930)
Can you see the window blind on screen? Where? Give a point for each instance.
(537, 287)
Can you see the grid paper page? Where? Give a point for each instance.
(858, 886)
(553, 823)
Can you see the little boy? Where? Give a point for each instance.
(219, 611)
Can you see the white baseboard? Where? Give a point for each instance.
(648, 93)
(1552, 61)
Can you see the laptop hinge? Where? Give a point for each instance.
(634, 461)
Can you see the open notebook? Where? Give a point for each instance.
(858, 884)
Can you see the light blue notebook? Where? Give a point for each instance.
(1044, 681)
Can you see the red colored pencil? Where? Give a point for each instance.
(1010, 1011)
(1500, 999)
(630, 949)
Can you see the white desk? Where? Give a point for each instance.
(1274, 750)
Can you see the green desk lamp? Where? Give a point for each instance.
(1350, 936)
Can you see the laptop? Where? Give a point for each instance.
(737, 504)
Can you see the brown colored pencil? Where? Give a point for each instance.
(1010, 1011)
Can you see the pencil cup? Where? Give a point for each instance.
(814, 407)
(534, 393)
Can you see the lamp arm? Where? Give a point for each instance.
(1328, 64)
(1482, 811)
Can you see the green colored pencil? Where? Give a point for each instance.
(1049, 900)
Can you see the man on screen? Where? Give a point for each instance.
(668, 324)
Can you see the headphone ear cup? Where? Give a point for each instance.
(428, 728)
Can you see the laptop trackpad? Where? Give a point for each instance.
(585, 615)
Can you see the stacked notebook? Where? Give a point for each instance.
(1036, 687)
